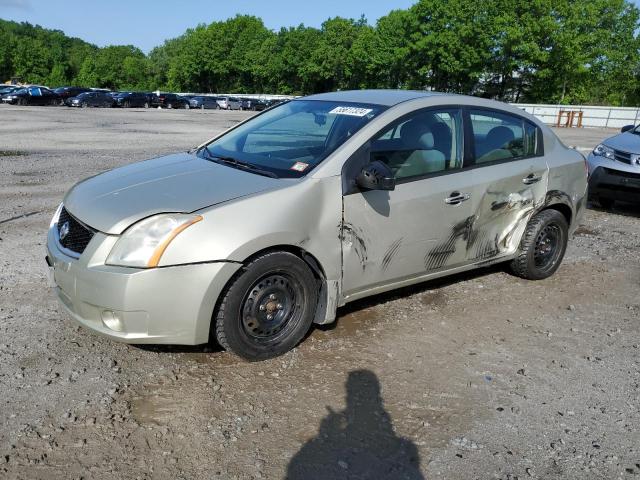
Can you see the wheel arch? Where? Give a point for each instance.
(328, 290)
(560, 201)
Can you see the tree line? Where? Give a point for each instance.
(541, 51)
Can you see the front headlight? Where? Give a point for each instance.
(143, 244)
(604, 151)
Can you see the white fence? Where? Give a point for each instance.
(592, 116)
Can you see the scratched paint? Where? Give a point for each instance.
(390, 253)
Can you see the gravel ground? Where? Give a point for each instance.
(482, 375)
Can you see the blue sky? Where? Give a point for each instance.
(147, 23)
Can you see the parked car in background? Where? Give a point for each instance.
(252, 104)
(8, 89)
(614, 168)
(132, 99)
(69, 92)
(230, 103)
(32, 96)
(204, 102)
(374, 190)
(258, 105)
(169, 100)
(90, 99)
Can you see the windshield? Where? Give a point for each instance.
(293, 138)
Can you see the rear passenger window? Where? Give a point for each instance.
(499, 136)
(426, 142)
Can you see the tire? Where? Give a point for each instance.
(606, 203)
(542, 247)
(277, 285)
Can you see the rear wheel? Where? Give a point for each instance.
(542, 246)
(267, 308)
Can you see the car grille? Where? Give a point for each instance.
(623, 157)
(79, 235)
(620, 173)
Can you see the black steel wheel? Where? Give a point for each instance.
(542, 247)
(268, 307)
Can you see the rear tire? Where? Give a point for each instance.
(267, 307)
(542, 247)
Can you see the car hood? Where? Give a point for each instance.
(112, 201)
(627, 142)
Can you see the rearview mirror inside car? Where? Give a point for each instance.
(376, 176)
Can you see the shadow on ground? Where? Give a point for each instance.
(358, 442)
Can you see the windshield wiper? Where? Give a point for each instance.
(238, 163)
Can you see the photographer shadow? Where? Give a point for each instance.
(358, 442)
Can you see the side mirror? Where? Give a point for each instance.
(626, 128)
(376, 176)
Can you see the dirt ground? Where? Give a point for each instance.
(481, 375)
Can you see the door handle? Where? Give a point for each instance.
(456, 198)
(531, 179)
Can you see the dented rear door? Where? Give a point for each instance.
(511, 182)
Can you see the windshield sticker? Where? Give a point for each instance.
(353, 111)
(299, 166)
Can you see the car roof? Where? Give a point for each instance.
(376, 97)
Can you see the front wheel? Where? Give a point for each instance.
(267, 308)
(542, 246)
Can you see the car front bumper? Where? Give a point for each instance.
(614, 180)
(169, 305)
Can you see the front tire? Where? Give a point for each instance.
(267, 308)
(542, 247)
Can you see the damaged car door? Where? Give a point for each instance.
(393, 235)
(511, 182)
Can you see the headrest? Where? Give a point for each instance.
(500, 136)
(416, 134)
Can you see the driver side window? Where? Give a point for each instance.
(426, 142)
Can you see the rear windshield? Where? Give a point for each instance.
(291, 139)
